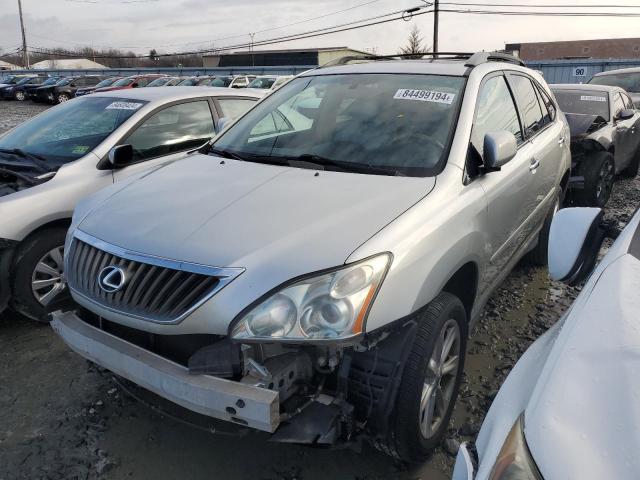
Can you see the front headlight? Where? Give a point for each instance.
(514, 462)
(329, 306)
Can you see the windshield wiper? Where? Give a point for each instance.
(320, 161)
(251, 158)
(225, 153)
(36, 160)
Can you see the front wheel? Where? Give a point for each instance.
(37, 273)
(599, 174)
(430, 381)
(20, 96)
(63, 97)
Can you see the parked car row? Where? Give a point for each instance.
(56, 90)
(310, 265)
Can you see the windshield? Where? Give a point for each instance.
(158, 82)
(629, 81)
(189, 82)
(400, 123)
(262, 82)
(64, 81)
(24, 80)
(123, 82)
(70, 130)
(583, 102)
(50, 81)
(106, 82)
(220, 82)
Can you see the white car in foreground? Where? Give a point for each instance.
(570, 409)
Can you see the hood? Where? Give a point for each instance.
(230, 213)
(583, 417)
(581, 125)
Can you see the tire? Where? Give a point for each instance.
(539, 255)
(46, 247)
(632, 170)
(407, 439)
(63, 97)
(599, 173)
(20, 96)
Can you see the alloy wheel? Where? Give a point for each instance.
(46, 280)
(20, 96)
(440, 379)
(62, 98)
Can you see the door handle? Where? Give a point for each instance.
(561, 140)
(534, 165)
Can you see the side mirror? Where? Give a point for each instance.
(575, 239)
(625, 114)
(499, 149)
(223, 123)
(121, 156)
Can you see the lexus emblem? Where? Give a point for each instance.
(111, 279)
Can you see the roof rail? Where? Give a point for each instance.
(484, 57)
(473, 59)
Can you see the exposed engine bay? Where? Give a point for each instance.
(327, 395)
(13, 181)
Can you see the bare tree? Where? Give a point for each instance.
(414, 44)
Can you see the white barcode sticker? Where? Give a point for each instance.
(124, 106)
(592, 98)
(425, 96)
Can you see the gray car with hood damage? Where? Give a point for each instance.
(315, 271)
(605, 139)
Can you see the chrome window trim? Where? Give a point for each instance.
(225, 275)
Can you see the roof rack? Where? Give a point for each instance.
(473, 59)
(484, 57)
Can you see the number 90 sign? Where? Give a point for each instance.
(580, 71)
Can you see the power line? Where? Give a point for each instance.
(462, 4)
(309, 34)
(240, 35)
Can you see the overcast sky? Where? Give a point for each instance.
(172, 25)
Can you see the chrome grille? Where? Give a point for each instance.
(156, 289)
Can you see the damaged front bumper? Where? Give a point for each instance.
(212, 396)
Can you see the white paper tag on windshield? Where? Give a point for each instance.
(425, 96)
(124, 106)
(592, 98)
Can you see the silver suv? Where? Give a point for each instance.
(315, 272)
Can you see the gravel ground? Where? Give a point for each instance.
(61, 417)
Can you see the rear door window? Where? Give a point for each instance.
(234, 107)
(528, 103)
(174, 129)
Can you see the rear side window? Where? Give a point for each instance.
(234, 107)
(495, 112)
(530, 108)
(548, 108)
(174, 129)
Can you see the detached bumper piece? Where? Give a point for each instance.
(215, 397)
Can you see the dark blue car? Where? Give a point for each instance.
(18, 91)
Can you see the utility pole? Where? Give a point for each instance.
(435, 25)
(253, 58)
(25, 53)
